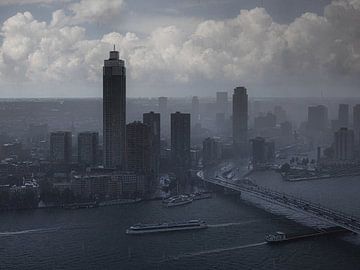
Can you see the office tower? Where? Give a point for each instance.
(343, 116)
(212, 151)
(163, 109)
(317, 118)
(195, 110)
(114, 111)
(344, 144)
(356, 121)
(180, 140)
(153, 121)
(163, 105)
(61, 147)
(139, 148)
(222, 102)
(240, 119)
(88, 146)
(262, 151)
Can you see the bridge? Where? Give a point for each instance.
(328, 215)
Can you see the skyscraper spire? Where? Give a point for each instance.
(114, 47)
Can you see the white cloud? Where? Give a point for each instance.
(250, 48)
(95, 10)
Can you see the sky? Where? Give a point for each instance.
(275, 48)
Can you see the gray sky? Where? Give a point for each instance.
(56, 48)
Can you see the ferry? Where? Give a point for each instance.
(72, 206)
(167, 227)
(282, 237)
(168, 199)
(179, 201)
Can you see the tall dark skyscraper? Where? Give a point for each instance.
(88, 145)
(152, 120)
(180, 140)
(163, 109)
(139, 148)
(343, 116)
(240, 119)
(114, 111)
(61, 147)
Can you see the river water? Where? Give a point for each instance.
(96, 239)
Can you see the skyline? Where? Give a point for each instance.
(312, 51)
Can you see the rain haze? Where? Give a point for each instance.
(166, 134)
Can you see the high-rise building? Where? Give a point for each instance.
(344, 144)
(163, 102)
(317, 118)
(262, 151)
(212, 151)
(163, 109)
(343, 116)
(153, 121)
(139, 148)
(180, 140)
(88, 146)
(60, 147)
(195, 110)
(240, 119)
(222, 102)
(114, 111)
(356, 121)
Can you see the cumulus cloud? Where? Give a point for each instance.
(95, 10)
(251, 48)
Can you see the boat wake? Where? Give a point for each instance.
(218, 250)
(231, 224)
(42, 230)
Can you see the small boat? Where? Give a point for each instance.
(282, 237)
(166, 227)
(179, 201)
(201, 196)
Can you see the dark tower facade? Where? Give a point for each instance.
(180, 140)
(114, 111)
(139, 148)
(61, 147)
(152, 120)
(88, 147)
(240, 119)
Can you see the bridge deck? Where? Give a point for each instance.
(332, 216)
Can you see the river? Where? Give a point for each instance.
(96, 239)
